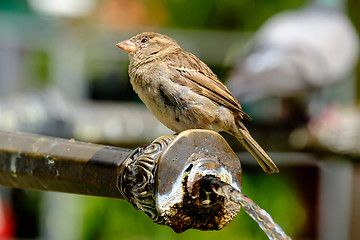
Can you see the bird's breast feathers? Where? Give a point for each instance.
(176, 106)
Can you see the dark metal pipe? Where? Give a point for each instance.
(164, 179)
(45, 163)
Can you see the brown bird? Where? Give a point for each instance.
(183, 93)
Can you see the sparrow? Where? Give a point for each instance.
(183, 92)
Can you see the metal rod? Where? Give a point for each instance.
(164, 179)
(52, 164)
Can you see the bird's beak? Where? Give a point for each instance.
(127, 46)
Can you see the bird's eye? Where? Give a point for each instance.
(144, 40)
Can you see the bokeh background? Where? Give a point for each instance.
(291, 64)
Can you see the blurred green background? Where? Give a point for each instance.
(46, 45)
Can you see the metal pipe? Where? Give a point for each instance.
(52, 164)
(163, 179)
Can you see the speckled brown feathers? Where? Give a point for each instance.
(198, 76)
(183, 92)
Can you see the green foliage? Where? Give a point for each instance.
(39, 62)
(15, 6)
(245, 15)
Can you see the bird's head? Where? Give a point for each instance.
(148, 45)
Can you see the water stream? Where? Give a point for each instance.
(265, 221)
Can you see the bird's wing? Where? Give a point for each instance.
(192, 72)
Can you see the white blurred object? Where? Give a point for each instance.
(295, 51)
(63, 8)
(50, 113)
(336, 129)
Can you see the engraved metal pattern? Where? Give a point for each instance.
(137, 176)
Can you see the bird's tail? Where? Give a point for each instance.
(255, 150)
